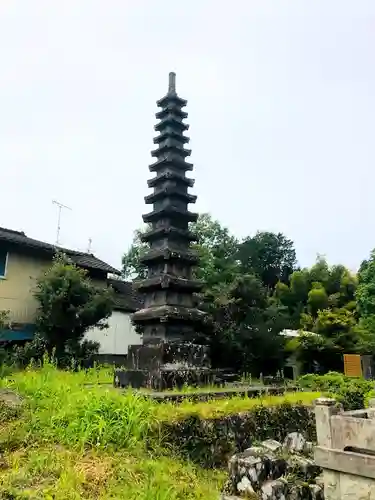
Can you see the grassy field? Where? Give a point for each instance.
(75, 442)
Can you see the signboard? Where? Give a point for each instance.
(352, 365)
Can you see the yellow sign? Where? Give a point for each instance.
(352, 365)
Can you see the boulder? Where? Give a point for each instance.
(295, 442)
(257, 465)
(10, 399)
(302, 467)
(317, 492)
(273, 490)
(271, 445)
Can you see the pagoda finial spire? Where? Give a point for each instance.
(172, 83)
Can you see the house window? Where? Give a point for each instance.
(3, 263)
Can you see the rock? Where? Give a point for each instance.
(244, 486)
(273, 490)
(271, 445)
(257, 465)
(302, 467)
(298, 492)
(316, 491)
(10, 398)
(295, 442)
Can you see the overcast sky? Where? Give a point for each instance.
(281, 102)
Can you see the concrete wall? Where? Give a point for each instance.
(346, 451)
(16, 288)
(117, 337)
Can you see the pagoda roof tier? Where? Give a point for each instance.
(173, 161)
(169, 98)
(170, 232)
(173, 134)
(169, 176)
(173, 109)
(172, 121)
(170, 145)
(167, 192)
(162, 254)
(168, 281)
(170, 212)
(167, 313)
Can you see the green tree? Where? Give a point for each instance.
(270, 256)
(217, 250)
(69, 304)
(365, 293)
(246, 327)
(317, 299)
(132, 267)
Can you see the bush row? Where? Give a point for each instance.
(351, 392)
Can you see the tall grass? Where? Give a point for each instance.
(75, 440)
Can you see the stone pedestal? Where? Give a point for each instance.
(164, 366)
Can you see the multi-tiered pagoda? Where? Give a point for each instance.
(169, 320)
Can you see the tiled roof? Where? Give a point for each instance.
(85, 260)
(126, 297)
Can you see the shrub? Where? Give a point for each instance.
(352, 392)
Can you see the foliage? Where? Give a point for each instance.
(246, 327)
(350, 391)
(269, 256)
(254, 290)
(132, 268)
(217, 250)
(69, 304)
(72, 441)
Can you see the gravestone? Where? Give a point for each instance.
(169, 320)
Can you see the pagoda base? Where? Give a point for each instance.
(164, 378)
(164, 366)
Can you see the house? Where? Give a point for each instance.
(115, 340)
(23, 260)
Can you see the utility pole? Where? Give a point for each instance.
(60, 207)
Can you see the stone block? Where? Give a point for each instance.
(302, 467)
(159, 380)
(316, 492)
(271, 445)
(274, 490)
(257, 466)
(173, 355)
(295, 442)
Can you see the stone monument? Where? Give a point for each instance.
(169, 320)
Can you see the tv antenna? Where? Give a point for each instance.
(60, 207)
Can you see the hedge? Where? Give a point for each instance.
(351, 392)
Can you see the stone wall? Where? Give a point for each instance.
(272, 471)
(211, 442)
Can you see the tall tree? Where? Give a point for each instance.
(270, 256)
(247, 325)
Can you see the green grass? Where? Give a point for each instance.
(72, 441)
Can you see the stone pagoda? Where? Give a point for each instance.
(169, 320)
